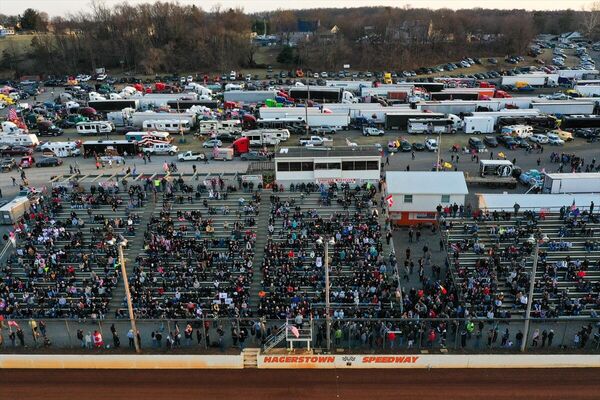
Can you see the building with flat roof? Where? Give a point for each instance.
(416, 195)
(354, 165)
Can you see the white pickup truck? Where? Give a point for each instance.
(160, 148)
(191, 156)
(371, 131)
(314, 141)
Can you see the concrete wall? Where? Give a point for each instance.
(428, 361)
(121, 361)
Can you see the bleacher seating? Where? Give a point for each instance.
(293, 268)
(65, 264)
(198, 252)
(492, 257)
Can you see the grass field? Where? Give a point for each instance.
(20, 43)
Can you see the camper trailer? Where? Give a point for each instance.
(94, 127)
(172, 126)
(267, 137)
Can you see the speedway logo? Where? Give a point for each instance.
(390, 360)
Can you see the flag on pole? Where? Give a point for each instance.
(12, 114)
(295, 331)
(442, 289)
(389, 200)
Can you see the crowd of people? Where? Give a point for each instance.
(192, 266)
(504, 244)
(65, 263)
(294, 262)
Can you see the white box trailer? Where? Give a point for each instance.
(249, 96)
(138, 118)
(564, 107)
(507, 113)
(11, 212)
(352, 86)
(515, 102)
(478, 125)
(456, 106)
(286, 112)
(531, 79)
(588, 90)
(572, 183)
(575, 73)
(340, 121)
(383, 91)
(161, 99)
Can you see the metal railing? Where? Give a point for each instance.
(347, 335)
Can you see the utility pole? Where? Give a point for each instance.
(327, 303)
(530, 294)
(128, 296)
(439, 149)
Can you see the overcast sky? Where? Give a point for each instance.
(62, 7)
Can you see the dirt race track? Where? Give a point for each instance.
(301, 384)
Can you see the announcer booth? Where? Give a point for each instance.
(413, 197)
(353, 165)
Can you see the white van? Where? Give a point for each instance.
(94, 127)
(520, 131)
(61, 149)
(172, 126)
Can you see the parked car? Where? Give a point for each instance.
(539, 138)
(418, 146)
(564, 135)
(226, 137)
(48, 162)
(554, 139)
(491, 141)
(508, 142)
(7, 164)
(405, 146)
(431, 144)
(323, 130)
(476, 144)
(211, 143)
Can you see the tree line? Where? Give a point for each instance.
(167, 37)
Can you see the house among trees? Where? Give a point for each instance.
(6, 31)
(570, 37)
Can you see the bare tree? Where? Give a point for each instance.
(591, 20)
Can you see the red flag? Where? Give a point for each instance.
(390, 200)
(443, 289)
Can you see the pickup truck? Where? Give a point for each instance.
(191, 156)
(314, 141)
(371, 131)
(160, 148)
(323, 130)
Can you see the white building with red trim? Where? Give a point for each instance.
(416, 195)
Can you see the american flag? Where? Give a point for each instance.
(12, 114)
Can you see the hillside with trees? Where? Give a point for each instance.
(168, 37)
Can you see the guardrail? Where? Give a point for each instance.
(358, 336)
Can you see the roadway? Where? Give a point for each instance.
(302, 384)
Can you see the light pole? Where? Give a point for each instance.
(327, 301)
(128, 296)
(536, 250)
